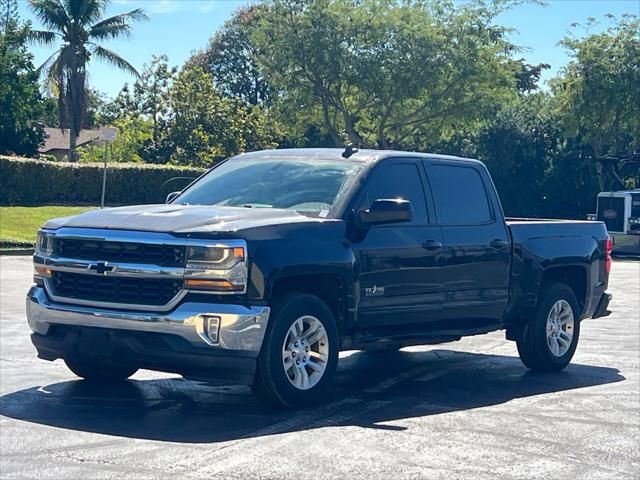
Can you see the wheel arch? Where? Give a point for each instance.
(331, 288)
(574, 276)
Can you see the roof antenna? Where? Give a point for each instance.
(349, 150)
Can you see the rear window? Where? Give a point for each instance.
(459, 195)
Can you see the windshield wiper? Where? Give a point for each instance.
(257, 205)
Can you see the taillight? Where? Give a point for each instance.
(609, 247)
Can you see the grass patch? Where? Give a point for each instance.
(19, 225)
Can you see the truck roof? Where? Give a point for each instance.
(363, 156)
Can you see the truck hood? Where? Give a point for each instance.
(180, 218)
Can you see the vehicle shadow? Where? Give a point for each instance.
(371, 388)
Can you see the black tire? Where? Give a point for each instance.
(533, 347)
(271, 382)
(99, 371)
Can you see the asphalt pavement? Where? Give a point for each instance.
(467, 409)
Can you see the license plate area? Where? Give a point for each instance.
(95, 343)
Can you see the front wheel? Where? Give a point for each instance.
(300, 353)
(550, 339)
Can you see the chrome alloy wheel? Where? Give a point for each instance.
(560, 323)
(305, 352)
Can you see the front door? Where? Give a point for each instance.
(398, 265)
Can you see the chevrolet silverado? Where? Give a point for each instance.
(272, 262)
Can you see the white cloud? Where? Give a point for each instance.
(164, 6)
(160, 7)
(207, 6)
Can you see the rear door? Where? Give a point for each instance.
(476, 273)
(398, 264)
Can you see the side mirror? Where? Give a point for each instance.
(384, 211)
(171, 196)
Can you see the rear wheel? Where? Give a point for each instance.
(550, 339)
(300, 353)
(96, 370)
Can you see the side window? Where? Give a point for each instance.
(459, 195)
(635, 204)
(397, 180)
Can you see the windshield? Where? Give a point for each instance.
(308, 186)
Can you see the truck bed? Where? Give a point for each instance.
(527, 229)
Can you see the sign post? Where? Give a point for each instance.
(107, 134)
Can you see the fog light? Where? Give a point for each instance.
(208, 328)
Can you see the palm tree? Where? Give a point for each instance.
(78, 24)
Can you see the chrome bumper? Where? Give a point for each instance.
(241, 328)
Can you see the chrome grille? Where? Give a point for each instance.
(117, 290)
(115, 251)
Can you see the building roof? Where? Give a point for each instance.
(57, 139)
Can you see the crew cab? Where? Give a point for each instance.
(272, 262)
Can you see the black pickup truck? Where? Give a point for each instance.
(272, 262)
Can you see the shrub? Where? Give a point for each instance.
(37, 182)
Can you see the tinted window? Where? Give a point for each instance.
(635, 205)
(397, 180)
(459, 195)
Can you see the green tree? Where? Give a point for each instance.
(528, 76)
(79, 25)
(97, 101)
(123, 104)
(151, 96)
(230, 57)
(149, 100)
(206, 126)
(134, 132)
(387, 74)
(598, 92)
(21, 105)
(8, 13)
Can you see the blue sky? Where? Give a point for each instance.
(179, 27)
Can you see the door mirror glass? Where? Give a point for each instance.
(171, 196)
(383, 211)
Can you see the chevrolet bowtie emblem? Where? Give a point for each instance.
(102, 268)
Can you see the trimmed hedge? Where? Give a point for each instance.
(38, 182)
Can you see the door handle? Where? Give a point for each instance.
(499, 244)
(432, 245)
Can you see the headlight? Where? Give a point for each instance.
(44, 248)
(220, 268)
(634, 220)
(44, 244)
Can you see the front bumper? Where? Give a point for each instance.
(176, 341)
